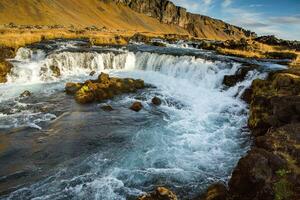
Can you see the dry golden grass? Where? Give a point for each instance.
(253, 49)
(80, 14)
(239, 53)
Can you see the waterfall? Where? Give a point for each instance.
(196, 141)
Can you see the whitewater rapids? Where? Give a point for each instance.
(194, 139)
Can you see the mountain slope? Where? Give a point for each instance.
(197, 25)
(80, 13)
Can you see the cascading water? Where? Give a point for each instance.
(195, 138)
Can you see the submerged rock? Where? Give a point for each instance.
(156, 101)
(55, 71)
(239, 76)
(104, 87)
(161, 193)
(24, 94)
(92, 73)
(136, 106)
(107, 108)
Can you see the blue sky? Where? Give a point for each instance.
(265, 17)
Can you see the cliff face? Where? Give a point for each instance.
(197, 25)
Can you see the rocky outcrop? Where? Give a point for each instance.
(5, 66)
(197, 25)
(161, 193)
(103, 88)
(271, 169)
(272, 40)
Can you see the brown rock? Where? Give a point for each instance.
(156, 101)
(103, 78)
(103, 88)
(84, 95)
(252, 178)
(107, 108)
(5, 68)
(136, 106)
(161, 193)
(217, 191)
(26, 93)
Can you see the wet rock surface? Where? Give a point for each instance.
(136, 106)
(103, 88)
(274, 120)
(240, 75)
(24, 94)
(156, 101)
(270, 170)
(161, 193)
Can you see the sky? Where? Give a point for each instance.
(265, 17)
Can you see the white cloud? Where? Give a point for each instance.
(201, 6)
(226, 3)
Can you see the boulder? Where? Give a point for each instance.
(5, 68)
(240, 75)
(136, 106)
(161, 193)
(217, 191)
(84, 95)
(252, 178)
(156, 101)
(103, 88)
(24, 94)
(107, 108)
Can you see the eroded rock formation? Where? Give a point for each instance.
(197, 25)
(103, 88)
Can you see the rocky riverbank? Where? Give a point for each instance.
(270, 170)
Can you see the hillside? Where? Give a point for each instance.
(118, 15)
(80, 13)
(197, 25)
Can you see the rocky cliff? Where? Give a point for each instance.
(197, 25)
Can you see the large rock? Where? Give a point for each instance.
(217, 191)
(136, 106)
(253, 176)
(102, 88)
(5, 68)
(240, 75)
(156, 101)
(274, 101)
(161, 193)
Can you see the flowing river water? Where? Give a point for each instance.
(53, 148)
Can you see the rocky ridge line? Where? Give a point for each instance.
(197, 25)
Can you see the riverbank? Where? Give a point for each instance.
(270, 170)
